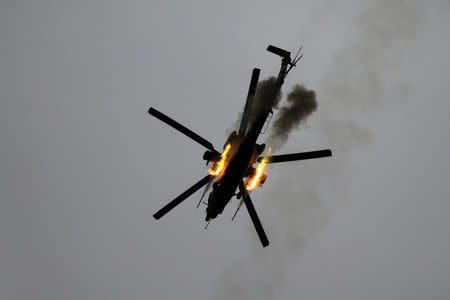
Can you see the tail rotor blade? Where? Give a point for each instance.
(160, 213)
(297, 156)
(255, 219)
(171, 122)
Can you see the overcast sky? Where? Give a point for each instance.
(84, 167)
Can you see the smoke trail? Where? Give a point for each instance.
(301, 103)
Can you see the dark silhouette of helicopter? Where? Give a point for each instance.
(240, 153)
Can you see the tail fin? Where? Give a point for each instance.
(286, 60)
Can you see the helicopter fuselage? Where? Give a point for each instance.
(240, 163)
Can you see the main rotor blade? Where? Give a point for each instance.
(256, 222)
(181, 198)
(297, 156)
(249, 102)
(171, 122)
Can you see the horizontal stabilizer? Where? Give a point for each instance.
(297, 156)
(278, 51)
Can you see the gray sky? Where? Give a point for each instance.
(83, 165)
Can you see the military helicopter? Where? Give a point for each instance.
(233, 169)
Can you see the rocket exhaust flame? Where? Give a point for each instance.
(259, 177)
(218, 167)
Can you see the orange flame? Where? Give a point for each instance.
(253, 182)
(218, 167)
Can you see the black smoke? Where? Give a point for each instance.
(301, 103)
(268, 95)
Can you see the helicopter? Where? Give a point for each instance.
(232, 172)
